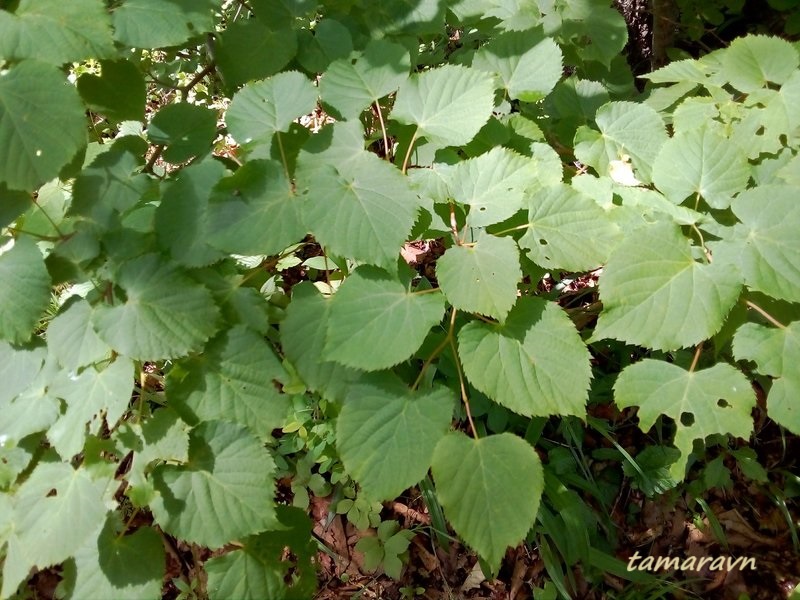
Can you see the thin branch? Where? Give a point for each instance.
(435, 353)
(765, 314)
(696, 358)
(386, 150)
(408, 152)
(196, 79)
(47, 238)
(283, 156)
(464, 397)
(47, 216)
(148, 168)
(517, 228)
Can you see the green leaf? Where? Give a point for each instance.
(655, 294)
(409, 16)
(249, 50)
(701, 161)
(373, 310)
(329, 41)
(364, 210)
(50, 527)
(598, 30)
(32, 408)
(489, 489)
(534, 364)
(118, 92)
(19, 366)
(754, 61)
(766, 246)
(12, 205)
(262, 108)
(25, 292)
(224, 492)
(528, 64)
(260, 568)
(185, 129)
(303, 332)
(481, 278)
(776, 353)
(493, 185)
(233, 380)
(182, 219)
(165, 314)
(159, 23)
(702, 403)
(163, 437)
(56, 32)
(350, 85)
(626, 129)
(448, 104)
(568, 230)
(71, 338)
(255, 211)
(111, 184)
(42, 124)
(124, 567)
(94, 397)
(782, 403)
(386, 435)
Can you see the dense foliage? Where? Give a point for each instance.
(199, 301)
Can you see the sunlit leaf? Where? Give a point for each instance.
(448, 104)
(534, 363)
(714, 400)
(482, 277)
(656, 294)
(376, 311)
(386, 435)
(489, 489)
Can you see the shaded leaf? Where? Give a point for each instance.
(118, 92)
(231, 381)
(255, 211)
(249, 50)
(56, 32)
(159, 23)
(303, 333)
(42, 124)
(164, 315)
(124, 567)
(260, 568)
(224, 492)
(185, 129)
